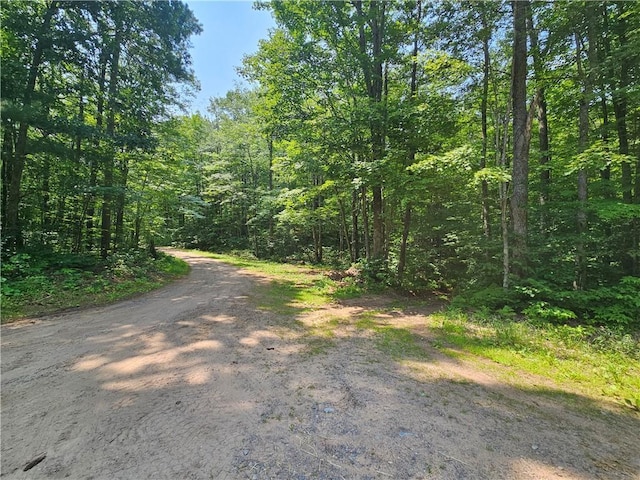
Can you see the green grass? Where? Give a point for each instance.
(595, 363)
(399, 343)
(40, 289)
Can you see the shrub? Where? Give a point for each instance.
(551, 313)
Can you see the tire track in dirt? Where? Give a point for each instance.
(193, 381)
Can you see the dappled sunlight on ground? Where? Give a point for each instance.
(195, 381)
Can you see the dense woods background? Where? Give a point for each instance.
(489, 149)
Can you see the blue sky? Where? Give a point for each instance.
(231, 29)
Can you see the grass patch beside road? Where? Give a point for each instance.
(596, 362)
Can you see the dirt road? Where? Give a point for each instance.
(193, 381)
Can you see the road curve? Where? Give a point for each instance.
(124, 391)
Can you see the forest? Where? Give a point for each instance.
(488, 151)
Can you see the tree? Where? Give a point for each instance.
(16, 140)
(97, 76)
(521, 138)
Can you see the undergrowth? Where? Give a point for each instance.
(34, 284)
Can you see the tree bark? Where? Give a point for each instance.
(521, 135)
(605, 172)
(402, 260)
(411, 156)
(93, 162)
(583, 138)
(620, 109)
(355, 234)
(504, 200)
(270, 150)
(372, 68)
(8, 149)
(120, 204)
(365, 223)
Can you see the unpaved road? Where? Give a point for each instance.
(194, 381)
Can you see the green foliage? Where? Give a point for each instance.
(493, 298)
(375, 272)
(386, 123)
(544, 311)
(617, 306)
(47, 283)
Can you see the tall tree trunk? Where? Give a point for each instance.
(316, 229)
(377, 251)
(91, 204)
(120, 204)
(630, 261)
(402, 259)
(583, 139)
(105, 223)
(93, 161)
(344, 227)
(82, 210)
(605, 172)
(372, 64)
(13, 231)
(520, 176)
(365, 223)
(45, 219)
(8, 148)
(501, 147)
(105, 229)
(270, 150)
(543, 123)
(620, 108)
